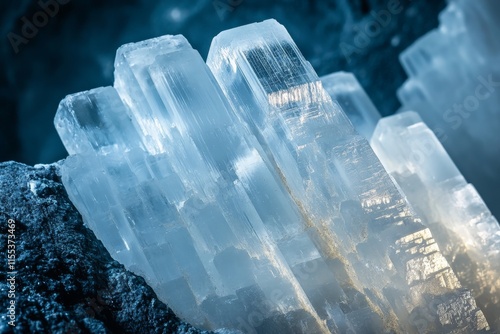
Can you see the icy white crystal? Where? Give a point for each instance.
(465, 230)
(454, 85)
(197, 218)
(335, 178)
(346, 90)
(252, 205)
(453, 210)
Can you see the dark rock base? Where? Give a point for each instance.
(65, 280)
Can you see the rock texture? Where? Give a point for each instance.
(66, 281)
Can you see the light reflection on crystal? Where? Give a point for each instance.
(467, 233)
(244, 196)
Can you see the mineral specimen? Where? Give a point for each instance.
(454, 85)
(65, 280)
(465, 230)
(244, 196)
(307, 140)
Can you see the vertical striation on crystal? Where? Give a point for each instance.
(454, 84)
(95, 120)
(198, 214)
(465, 230)
(245, 197)
(355, 211)
(344, 88)
(134, 85)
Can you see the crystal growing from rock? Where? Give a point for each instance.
(244, 196)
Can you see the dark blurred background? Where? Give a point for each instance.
(74, 48)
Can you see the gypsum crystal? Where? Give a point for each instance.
(278, 97)
(454, 85)
(247, 200)
(465, 230)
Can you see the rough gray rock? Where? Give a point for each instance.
(66, 281)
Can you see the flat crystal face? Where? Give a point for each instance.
(95, 120)
(289, 66)
(467, 233)
(348, 93)
(454, 85)
(244, 196)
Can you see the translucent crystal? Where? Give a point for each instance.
(246, 198)
(333, 176)
(462, 224)
(454, 85)
(95, 120)
(346, 90)
(198, 218)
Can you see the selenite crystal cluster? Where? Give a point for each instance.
(245, 191)
(454, 85)
(465, 230)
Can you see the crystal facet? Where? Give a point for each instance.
(454, 85)
(346, 90)
(464, 228)
(243, 194)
